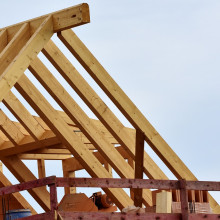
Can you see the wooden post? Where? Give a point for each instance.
(139, 169)
(184, 200)
(53, 197)
(41, 168)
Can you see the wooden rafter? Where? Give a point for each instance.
(74, 111)
(69, 139)
(17, 66)
(99, 108)
(71, 136)
(127, 107)
(24, 117)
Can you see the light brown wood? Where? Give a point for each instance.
(63, 19)
(28, 144)
(123, 135)
(14, 46)
(10, 129)
(127, 107)
(74, 111)
(163, 202)
(68, 138)
(21, 62)
(23, 116)
(43, 156)
(41, 168)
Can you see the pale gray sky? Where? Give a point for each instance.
(165, 55)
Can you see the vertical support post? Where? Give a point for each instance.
(41, 168)
(53, 197)
(68, 174)
(139, 160)
(184, 200)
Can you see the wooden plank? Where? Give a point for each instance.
(139, 159)
(23, 174)
(3, 39)
(17, 196)
(68, 138)
(23, 115)
(9, 129)
(7, 150)
(21, 62)
(50, 151)
(28, 156)
(14, 46)
(73, 110)
(63, 19)
(99, 108)
(118, 215)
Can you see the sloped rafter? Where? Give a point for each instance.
(10, 129)
(3, 39)
(127, 107)
(43, 29)
(99, 108)
(23, 116)
(21, 61)
(71, 132)
(73, 110)
(69, 139)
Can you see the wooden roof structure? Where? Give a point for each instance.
(70, 135)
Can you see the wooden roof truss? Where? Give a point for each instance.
(70, 135)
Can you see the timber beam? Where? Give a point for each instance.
(62, 20)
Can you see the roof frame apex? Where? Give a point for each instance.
(64, 19)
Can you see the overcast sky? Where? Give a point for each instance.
(165, 55)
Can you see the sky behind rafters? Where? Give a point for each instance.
(165, 54)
